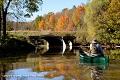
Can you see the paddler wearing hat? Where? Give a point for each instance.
(96, 49)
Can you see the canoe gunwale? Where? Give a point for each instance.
(88, 59)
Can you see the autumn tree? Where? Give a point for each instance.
(10, 25)
(41, 25)
(71, 11)
(65, 11)
(62, 24)
(51, 22)
(18, 7)
(71, 26)
(47, 18)
(77, 16)
(57, 16)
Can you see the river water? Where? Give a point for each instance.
(58, 64)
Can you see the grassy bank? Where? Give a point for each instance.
(39, 33)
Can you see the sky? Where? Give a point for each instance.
(55, 6)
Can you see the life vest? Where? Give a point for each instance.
(94, 49)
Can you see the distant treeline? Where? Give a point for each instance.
(67, 20)
(97, 19)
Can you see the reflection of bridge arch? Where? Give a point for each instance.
(69, 41)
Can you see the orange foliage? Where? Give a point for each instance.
(65, 21)
(51, 21)
(78, 15)
(80, 9)
(70, 26)
(41, 25)
(62, 23)
(52, 17)
(41, 66)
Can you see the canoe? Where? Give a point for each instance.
(88, 59)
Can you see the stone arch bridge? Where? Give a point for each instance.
(52, 40)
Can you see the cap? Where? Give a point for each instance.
(94, 41)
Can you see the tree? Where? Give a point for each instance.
(17, 7)
(41, 25)
(111, 22)
(37, 21)
(77, 16)
(10, 25)
(62, 24)
(51, 22)
(0, 17)
(0, 22)
(65, 11)
(71, 26)
(47, 18)
(93, 15)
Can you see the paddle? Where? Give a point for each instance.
(86, 53)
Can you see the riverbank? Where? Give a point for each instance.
(10, 47)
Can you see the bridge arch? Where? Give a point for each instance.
(52, 40)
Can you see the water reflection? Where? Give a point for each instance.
(24, 74)
(96, 70)
(33, 65)
(47, 69)
(52, 50)
(56, 67)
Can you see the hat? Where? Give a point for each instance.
(94, 41)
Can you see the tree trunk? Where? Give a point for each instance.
(4, 15)
(0, 23)
(4, 24)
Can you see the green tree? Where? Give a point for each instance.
(47, 18)
(37, 21)
(111, 22)
(93, 15)
(18, 7)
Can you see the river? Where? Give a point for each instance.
(58, 64)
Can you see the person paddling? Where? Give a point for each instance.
(96, 49)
